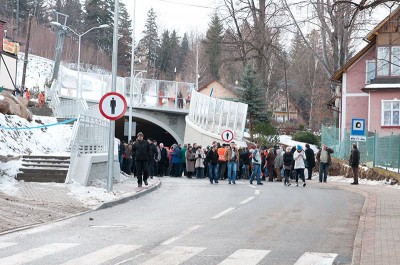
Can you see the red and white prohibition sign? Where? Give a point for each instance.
(113, 105)
(227, 136)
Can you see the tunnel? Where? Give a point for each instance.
(149, 129)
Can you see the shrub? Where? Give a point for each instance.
(306, 137)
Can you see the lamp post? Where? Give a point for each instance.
(79, 92)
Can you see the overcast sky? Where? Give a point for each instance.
(182, 15)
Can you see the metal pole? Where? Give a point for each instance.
(398, 157)
(375, 148)
(79, 91)
(132, 73)
(110, 165)
(197, 66)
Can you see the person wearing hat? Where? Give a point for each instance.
(141, 152)
(299, 156)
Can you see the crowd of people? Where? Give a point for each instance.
(146, 158)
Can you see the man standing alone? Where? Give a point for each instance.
(141, 151)
(354, 162)
(324, 159)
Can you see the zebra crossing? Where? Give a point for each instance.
(173, 255)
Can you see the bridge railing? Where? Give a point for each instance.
(148, 93)
(216, 115)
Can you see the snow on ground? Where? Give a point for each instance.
(287, 140)
(382, 183)
(8, 184)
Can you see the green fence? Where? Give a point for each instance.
(378, 151)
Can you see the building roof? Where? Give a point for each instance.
(371, 38)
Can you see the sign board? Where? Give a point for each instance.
(10, 47)
(227, 136)
(113, 105)
(126, 128)
(358, 130)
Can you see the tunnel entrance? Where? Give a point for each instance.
(149, 129)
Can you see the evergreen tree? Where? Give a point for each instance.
(174, 50)
(213, 46)
(165, 52)
(99, 12)
(73, 8)
(150, 42)
(125, 42)
(252, 95)
(183, 51)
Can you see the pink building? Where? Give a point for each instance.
(370, 81)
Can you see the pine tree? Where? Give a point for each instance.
(150, 42)
(252, 95)
(125, 42)
(165, 53)
(213, 45)
(174, 51)
(73, 8)
(183, 51)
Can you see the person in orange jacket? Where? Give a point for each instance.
(221, 161)
(41, 99)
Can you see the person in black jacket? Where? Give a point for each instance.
(354, 162)
(287, 165)
(141, 151)
(163, 163)
(310, 160)
(212, 159)
(246, 163)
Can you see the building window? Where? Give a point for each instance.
(370, 71)
(383, 61)
(390, 113)
(395, 62)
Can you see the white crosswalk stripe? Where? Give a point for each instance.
(6, 244)
(312, 258)
(103, 255)
(245, 256)
(175, 256)
(35, 253)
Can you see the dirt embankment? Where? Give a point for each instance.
(341, 168)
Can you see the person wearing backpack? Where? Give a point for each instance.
(256, 161)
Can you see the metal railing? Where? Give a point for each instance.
(378, 150)
(216, 115)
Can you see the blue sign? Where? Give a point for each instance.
(358, 127)
(358, 130)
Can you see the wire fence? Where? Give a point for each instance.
(377, 151)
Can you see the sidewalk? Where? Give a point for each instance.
(378, 237)
(39, 203)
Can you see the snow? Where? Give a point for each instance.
(287, 140)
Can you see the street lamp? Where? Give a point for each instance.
(79, 87)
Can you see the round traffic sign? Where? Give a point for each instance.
(227, 136)
(112, 105)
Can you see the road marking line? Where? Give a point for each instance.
(35, 253)
(223, 213)
(245, 256)
(312, 258)
(102, 255)
(6, 245)
(175, 256)
(173, 239)
(124, 261)
(247, 200)
(252, 186)
(257, 192)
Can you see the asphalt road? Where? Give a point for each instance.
(189, 221)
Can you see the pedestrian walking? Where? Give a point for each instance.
(232, 157)
(183, 160)
(152, 158)
(270, 163)
(190, 157)
(324, 161)
(212, 159)
(287, 165)
(141, 152)
(354, 162)
(299, 156)
(221, 161)
(310, 161)
(246, 163)
(256, 162)
(176, 161)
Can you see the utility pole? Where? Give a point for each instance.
(28, 37)
(132, 73)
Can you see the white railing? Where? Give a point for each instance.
(216, 115)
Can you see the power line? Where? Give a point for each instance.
(183, 4)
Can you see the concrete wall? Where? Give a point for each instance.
(172, 122)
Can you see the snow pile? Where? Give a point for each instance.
(382, 183)
(287, 140)
(8, 171)
(32, 141)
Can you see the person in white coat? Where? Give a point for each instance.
(299, 156)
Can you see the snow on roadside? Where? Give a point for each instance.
(8, 170)
(382, 183)
(287, 140)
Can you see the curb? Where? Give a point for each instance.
(358, 240)
(128, 198)
(102, 206)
